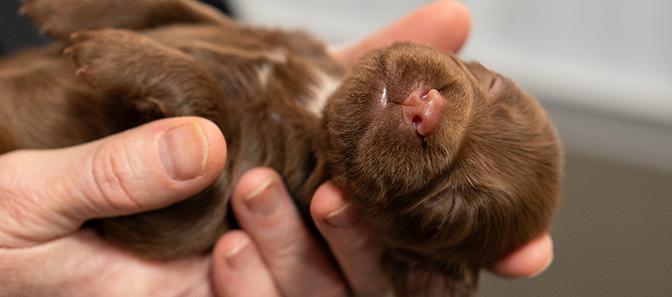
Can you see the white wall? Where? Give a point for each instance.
(334, 21)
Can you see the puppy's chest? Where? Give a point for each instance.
(286, 84)
(253, 71)
(319, 90)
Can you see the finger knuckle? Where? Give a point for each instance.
(14, 208)
(17, 201)
(112, 178)
(12, 168)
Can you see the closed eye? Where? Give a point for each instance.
(495, 85)
(493, 81)
(446, 87)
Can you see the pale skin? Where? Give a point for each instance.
(45, 196)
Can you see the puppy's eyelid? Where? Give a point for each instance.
(446, 86)
(493, 81)
(495, 85)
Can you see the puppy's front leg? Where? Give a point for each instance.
(159, 80)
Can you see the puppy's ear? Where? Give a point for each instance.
(490, 83)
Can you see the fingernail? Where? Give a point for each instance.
(236, 258)
(264, 199)
(184, 151)
(344, 217)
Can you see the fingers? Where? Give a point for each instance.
(238, 269)
(49, 193)
(528, 261)
(296, 260)
(442, 24)
(82, 264)
(350, 242)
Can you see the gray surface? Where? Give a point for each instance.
(612, 235)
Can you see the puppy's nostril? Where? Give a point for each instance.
(422, 109)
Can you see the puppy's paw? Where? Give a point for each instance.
(108, 58)
(58, 18)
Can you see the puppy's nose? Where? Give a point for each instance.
(422, 110)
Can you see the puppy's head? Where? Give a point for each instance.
(449, 160)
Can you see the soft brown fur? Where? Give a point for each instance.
(483, 183)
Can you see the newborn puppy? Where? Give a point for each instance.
(453, 164)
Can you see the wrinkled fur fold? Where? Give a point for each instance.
(483, 183)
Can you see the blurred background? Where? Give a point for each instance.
(602, 69)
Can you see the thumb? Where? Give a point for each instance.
(45, 194)
(442, 24)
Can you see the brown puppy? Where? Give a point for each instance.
(452, 163)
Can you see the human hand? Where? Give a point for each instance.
(274, 254)
(45, 196)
